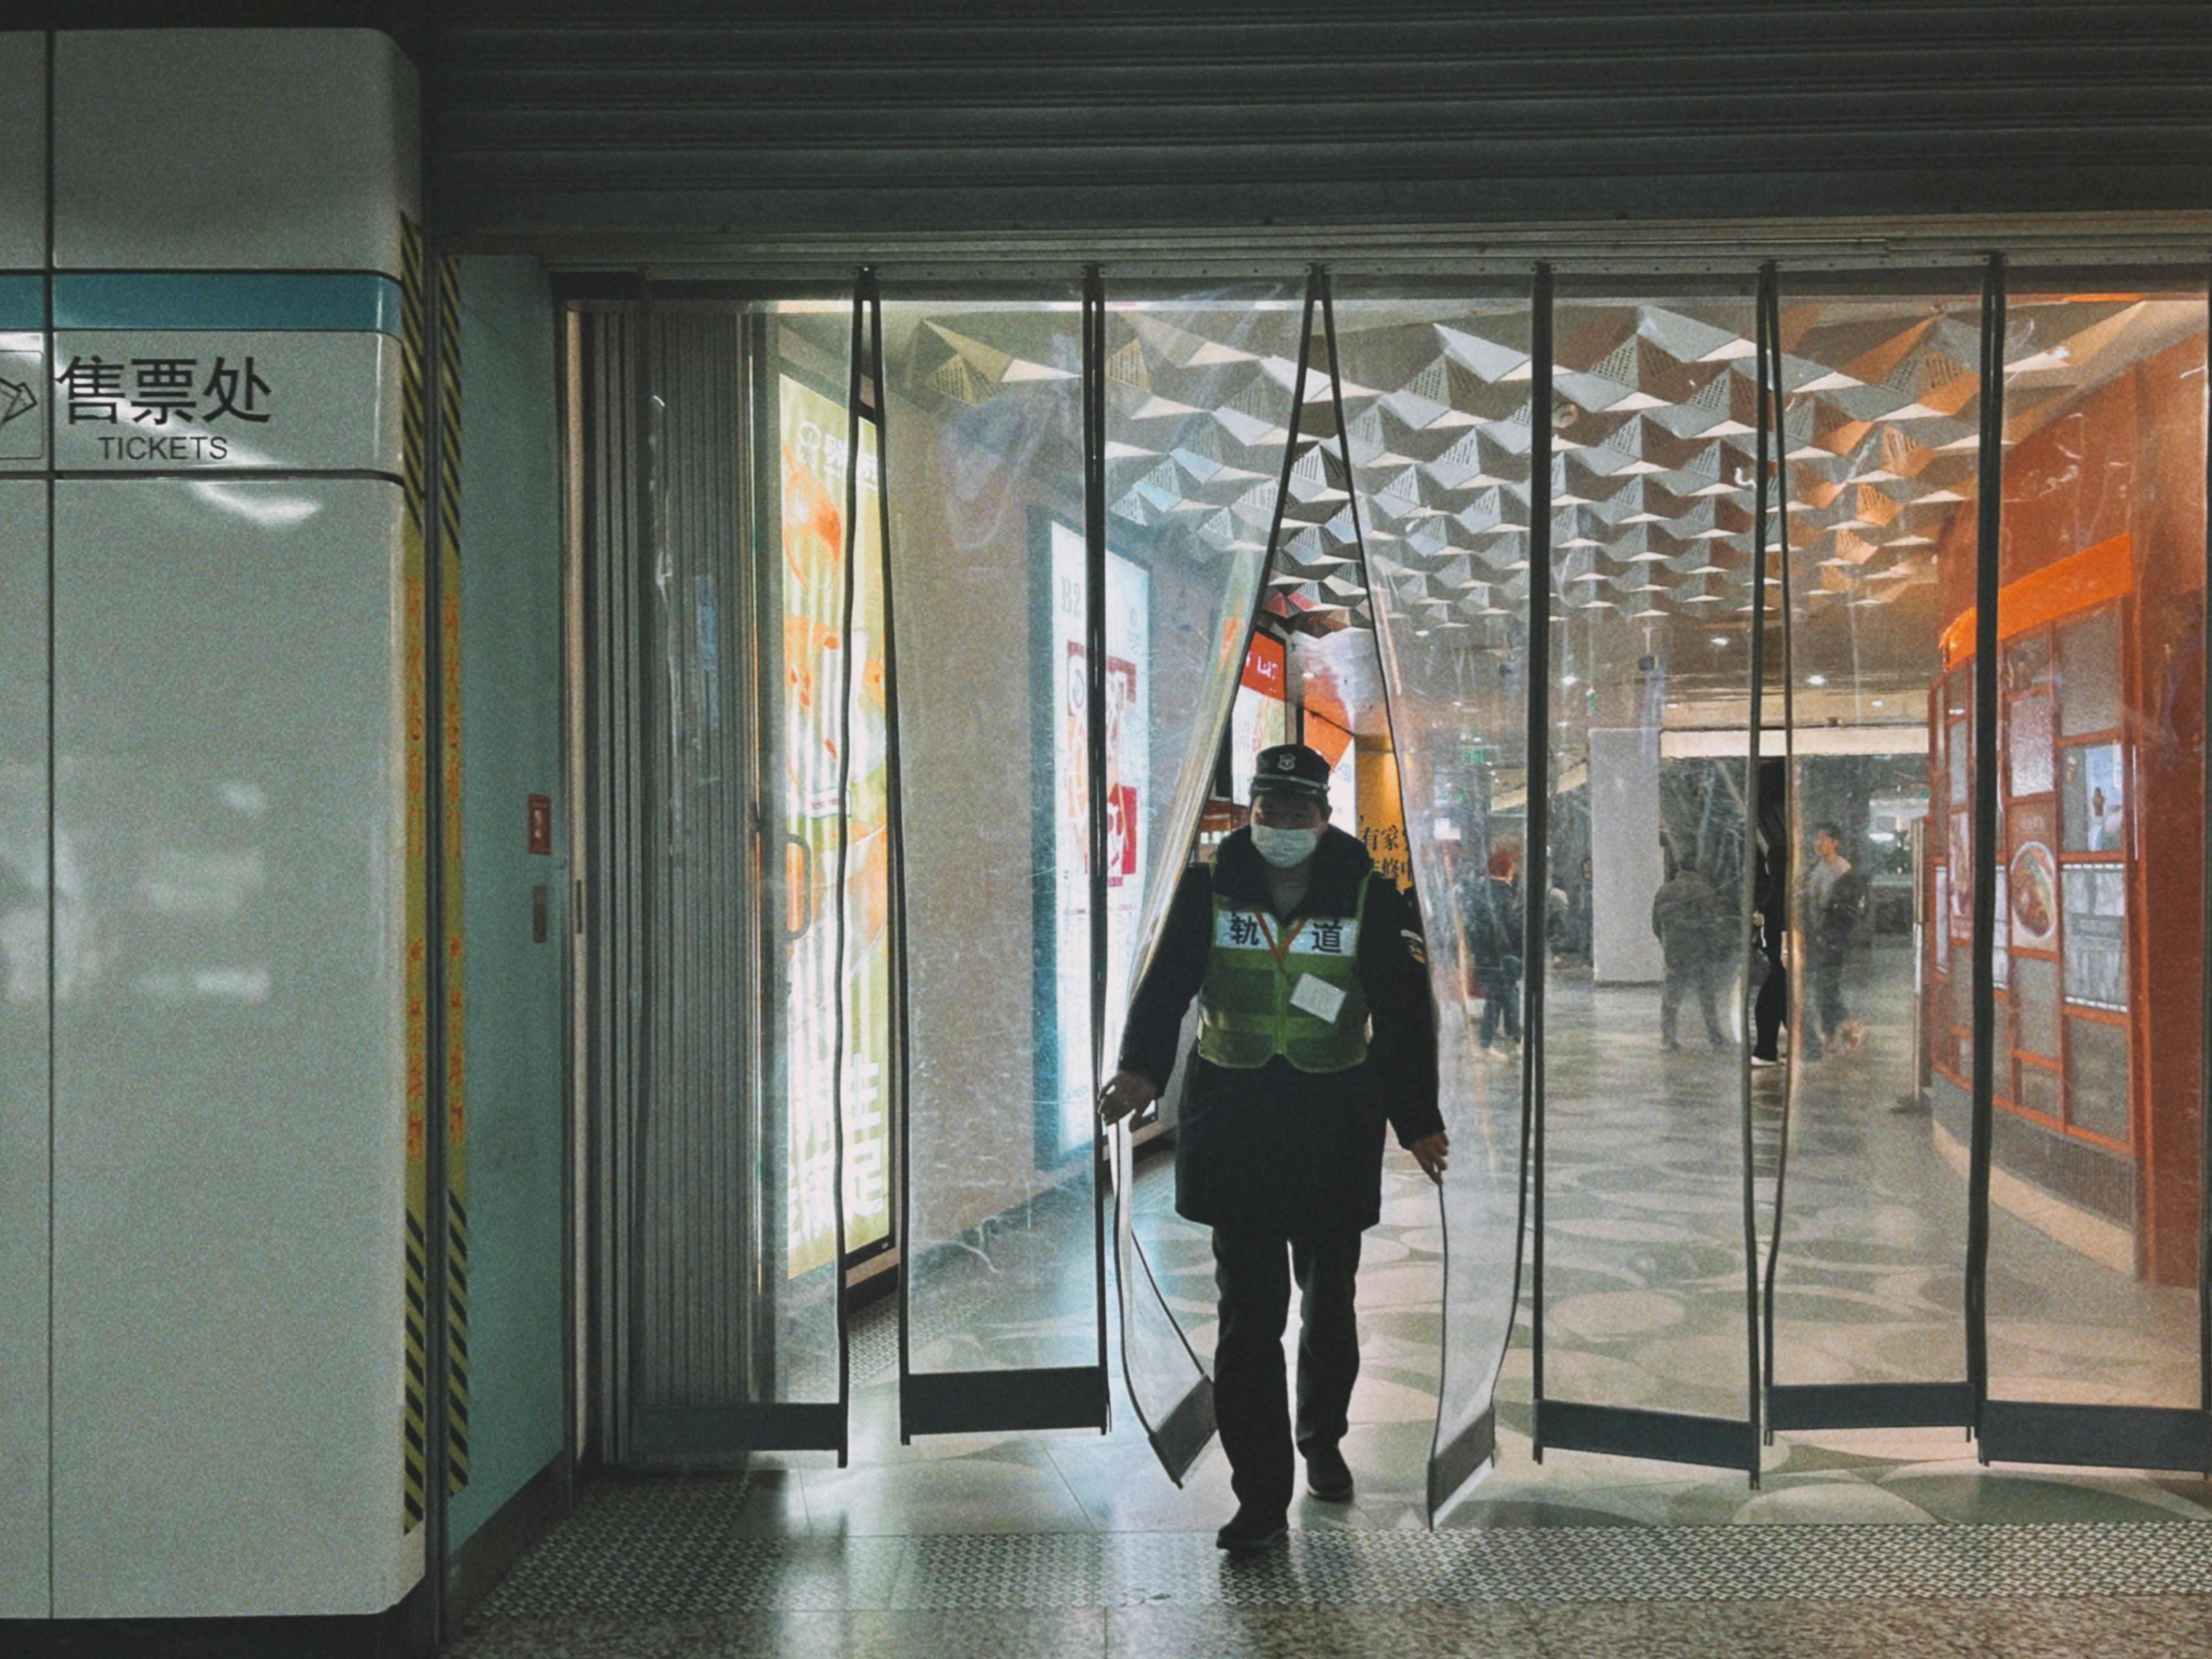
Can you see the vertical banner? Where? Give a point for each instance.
(819, 653)
(1067, 1125)
(1382, 811)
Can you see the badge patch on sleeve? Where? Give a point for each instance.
(1415, 947)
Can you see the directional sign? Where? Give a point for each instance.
(22, 399)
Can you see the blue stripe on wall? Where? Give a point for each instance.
(23, 303)
(267, 302)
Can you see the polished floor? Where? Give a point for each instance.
(1850, 1542)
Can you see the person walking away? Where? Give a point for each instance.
(1315, 1028)
(1834, 899)
(1771, 920)
(1497, 924)
(1692, 926)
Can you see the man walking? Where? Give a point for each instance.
(1692, 926)
(1495, 926)
(1834, 899)
(1316, 1027)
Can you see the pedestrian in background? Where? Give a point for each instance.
(1497, 923)
(1833, 899)
(1771, 921)
(1695, 931)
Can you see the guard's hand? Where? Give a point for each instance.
(1127, 1094)
(1432, 1153)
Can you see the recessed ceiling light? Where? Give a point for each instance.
(1720, 638)
(1816, 679)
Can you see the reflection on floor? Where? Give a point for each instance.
(1077, 1544)
(1645, 1275)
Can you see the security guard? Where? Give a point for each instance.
(1315, 1026)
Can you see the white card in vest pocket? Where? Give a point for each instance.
(1317, 997)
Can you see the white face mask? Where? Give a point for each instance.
(1284, 849)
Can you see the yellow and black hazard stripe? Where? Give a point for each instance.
(453, 890)
(414, 680)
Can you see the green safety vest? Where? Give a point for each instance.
(1289, 988)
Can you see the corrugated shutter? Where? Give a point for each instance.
(563, 125)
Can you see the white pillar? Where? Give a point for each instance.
(1627, 862)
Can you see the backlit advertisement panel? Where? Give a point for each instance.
(1128, 773)
(812, 582)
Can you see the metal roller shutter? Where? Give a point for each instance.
(565, 126)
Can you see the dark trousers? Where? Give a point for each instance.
(1769, 1012)
(1501, 1005)
(1704, 979)
(1772, 1006)
(1251, 1401)
(1828, 1013)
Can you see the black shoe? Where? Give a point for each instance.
(1251, 1530)
(1329, 1477)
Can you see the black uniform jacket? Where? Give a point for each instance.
(1271, 1147)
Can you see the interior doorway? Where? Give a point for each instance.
(1653, 587)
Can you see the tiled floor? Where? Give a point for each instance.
(2105, 1627)
(1077, 1544)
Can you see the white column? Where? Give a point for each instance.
(230, 1055)
(1627, 862)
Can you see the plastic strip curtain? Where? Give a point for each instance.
(1197, 401)
(741, 1341)
(2094, 1264)
(1440, 447)
(1881, 445)
(1645, 1283)
(1003, 1313)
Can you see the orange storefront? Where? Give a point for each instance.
(2097, 1133)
